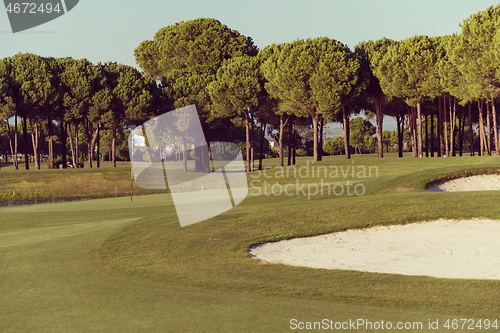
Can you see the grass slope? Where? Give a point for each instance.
(114, 265)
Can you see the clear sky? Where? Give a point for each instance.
(103, 30)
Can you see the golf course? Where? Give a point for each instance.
(112, 264)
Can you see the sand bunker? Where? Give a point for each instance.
(444, 248)
(473, 183)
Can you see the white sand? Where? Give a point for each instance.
(444, 248)
(473, 183)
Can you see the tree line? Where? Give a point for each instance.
(420, 81)
(77, 94)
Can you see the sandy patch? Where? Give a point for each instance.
(473, 183)
(444, 248)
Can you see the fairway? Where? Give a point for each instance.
(116, 265)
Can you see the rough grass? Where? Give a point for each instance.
(115, 265)
(67, 183)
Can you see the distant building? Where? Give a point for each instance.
(273, 143)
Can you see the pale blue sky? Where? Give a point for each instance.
(101, 30)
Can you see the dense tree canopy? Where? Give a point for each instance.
(313, 77)
(419, 81)
(198, 46)
(186, 57)
(408, 71)
(237, 92)
(73, 92)
(373, 97)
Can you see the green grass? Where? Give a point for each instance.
(112, 265)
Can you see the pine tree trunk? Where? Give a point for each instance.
(34, 140)
(10, 142)
(252, 144)
(77, 149)
(198, 152)
(63, 143)
(281, 140)
(345, 120)
(113, 148)
(426, 135)
(446, 145)
(414, 145)
(26, 159)
(461, 135)
(495, 128)
(315, 134)
(399, 124)
(73, 155)
(90, 152)
(471, 132)
(294, 151)
(320, 143)
(198, 159)
(206, 166)
(262, 137)
(432, 135)
(51, 143)
(184, 152)
(38, 131)
(380, 117)
(481, 128)
(13, 153)
(488, 129)
(205, 157)
(441, 151)
(16, 140)
(290, 143)
(453, 119)
(412, 132)
(98, 145)
(92, 145)
(248, 144)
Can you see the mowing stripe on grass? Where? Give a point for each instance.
(42, 234)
